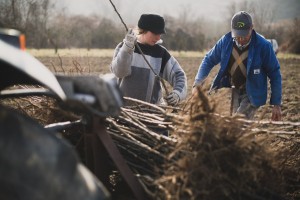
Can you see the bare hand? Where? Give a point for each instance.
(276, 113)
(194, 91)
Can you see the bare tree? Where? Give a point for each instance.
(292, 37)
(262, 13)
(29, 16)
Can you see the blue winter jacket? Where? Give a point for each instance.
(262, 63)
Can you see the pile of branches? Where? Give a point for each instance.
(207, 156)
(141, 134)
(224, 158)
(193, 153)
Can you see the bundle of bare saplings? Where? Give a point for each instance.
(191, 152)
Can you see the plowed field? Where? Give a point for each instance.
(94, 63)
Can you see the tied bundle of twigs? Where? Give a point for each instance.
(208, 156)
(205, 156)
(141, 134)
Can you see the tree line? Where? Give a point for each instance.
(47, 27)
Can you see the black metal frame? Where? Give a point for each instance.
(98, 144)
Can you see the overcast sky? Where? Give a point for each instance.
(130, 10)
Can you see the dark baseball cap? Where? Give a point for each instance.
(241, 23)
(152, 22)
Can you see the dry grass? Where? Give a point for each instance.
(98, 53)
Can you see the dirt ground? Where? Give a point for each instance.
(290, 69)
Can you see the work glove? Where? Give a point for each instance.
(130, 39)
(173, 98)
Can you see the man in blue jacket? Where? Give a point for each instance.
(246, 59)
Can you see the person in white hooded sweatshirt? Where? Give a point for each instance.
(135, 77)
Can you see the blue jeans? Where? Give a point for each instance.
(241, 103)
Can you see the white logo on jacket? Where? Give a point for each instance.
(256, 71)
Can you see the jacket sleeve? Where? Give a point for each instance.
(121, 63)
(272, 68)
(175, 75)
(211, 59)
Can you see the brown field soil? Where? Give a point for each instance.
(96, 65)
(290, 69)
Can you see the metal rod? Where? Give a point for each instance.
(118, 14)
(100, 130)
(16, 93)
